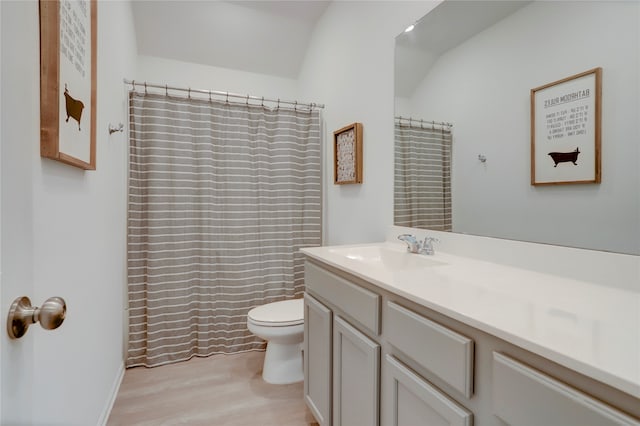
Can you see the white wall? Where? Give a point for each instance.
(197, 76)
(1, 300)
(483, 87)
(349, 68)
(63, 231)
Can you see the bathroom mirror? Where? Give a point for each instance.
(473, 64)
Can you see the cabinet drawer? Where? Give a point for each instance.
(444, 352)
(359, 303)
(524, 396)
(410, 400)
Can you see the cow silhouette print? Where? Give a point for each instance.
(74, 107)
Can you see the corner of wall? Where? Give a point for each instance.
(113, 394)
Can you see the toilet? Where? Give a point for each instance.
(281, 324)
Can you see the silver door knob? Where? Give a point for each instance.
(21, 315)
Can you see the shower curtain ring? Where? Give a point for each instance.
(247, 100)
(189, 92)
(209, 95)
(262, 103)
(145, 87)
(227, 100)
(133, 85)
(166, 90)
(278, 106)
(295, 106)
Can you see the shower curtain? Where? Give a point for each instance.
(221, 198)
(422, 181)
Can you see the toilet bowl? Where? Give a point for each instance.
(281, 324)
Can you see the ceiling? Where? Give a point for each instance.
(266, 37)
(418, 50)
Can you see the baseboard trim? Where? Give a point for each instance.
(102, 421)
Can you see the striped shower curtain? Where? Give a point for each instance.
(422, 177)
(221, 198)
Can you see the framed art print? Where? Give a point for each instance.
(68, 47)
(347, 153)
(565, 130)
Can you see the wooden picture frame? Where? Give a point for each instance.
(566, 118)
(68, 67)
(347, 154)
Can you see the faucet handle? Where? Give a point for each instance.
(426, 247)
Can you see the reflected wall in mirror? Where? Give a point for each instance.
(474, 63)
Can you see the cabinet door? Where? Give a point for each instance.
(409, 400)
(356, 369)
(317, 359)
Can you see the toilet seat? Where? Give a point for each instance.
(278, 314)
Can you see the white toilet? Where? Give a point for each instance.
(281, 324)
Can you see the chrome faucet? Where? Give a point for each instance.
(414, 246)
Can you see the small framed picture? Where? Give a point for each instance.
(565, 130)
(347, 153)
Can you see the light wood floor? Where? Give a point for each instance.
(222, 390)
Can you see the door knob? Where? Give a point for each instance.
(21, 315)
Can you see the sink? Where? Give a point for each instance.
(380, 255)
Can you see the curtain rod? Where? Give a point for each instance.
(227, 95)
(422, 122)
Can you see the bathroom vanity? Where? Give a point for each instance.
(394, 338)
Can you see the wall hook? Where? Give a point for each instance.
(482, 158)
(113, 129)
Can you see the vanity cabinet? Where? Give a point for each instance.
(342, 358)
(341, 368)
(341, 362)
(375, 358)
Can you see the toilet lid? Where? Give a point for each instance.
(278, 314)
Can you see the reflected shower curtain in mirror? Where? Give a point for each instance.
(422, 177)
(221, 198)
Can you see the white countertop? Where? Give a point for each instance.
(587, 327)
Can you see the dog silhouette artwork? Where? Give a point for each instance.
(74, 107)
(564, 157)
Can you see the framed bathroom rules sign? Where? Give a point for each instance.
(68, 34)
(565, 130)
